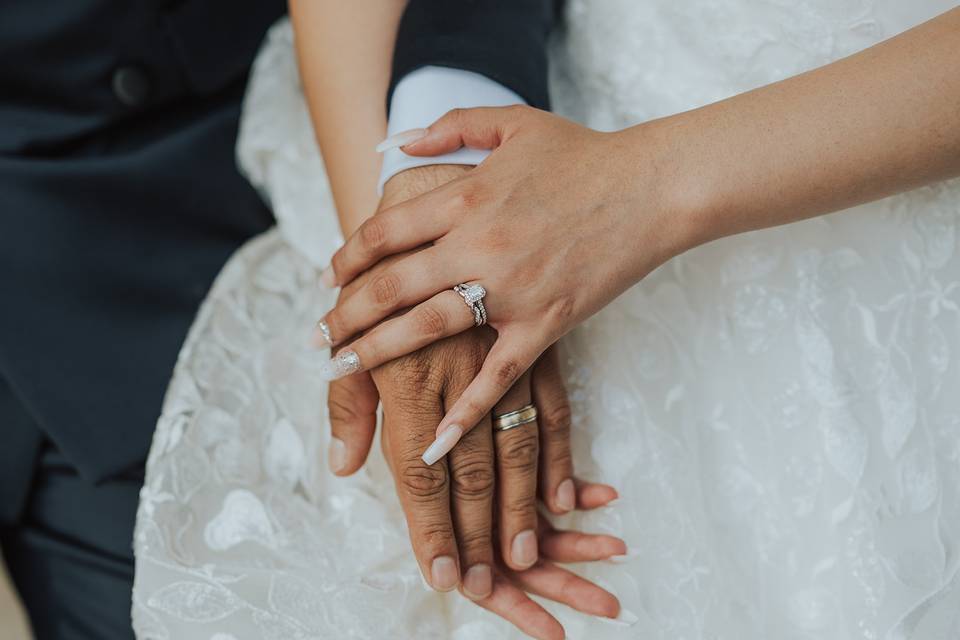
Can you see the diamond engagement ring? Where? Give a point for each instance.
(472, 295)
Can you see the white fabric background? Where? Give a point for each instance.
(780, 410)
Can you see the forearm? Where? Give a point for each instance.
(345, 51)
(877, 123)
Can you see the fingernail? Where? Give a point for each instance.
(401, 139)
(442, 445)
(624, 558)
(613, 503)
(625, 619)
(337, 454)
(567, 495)
(340, 365)
(478, 582)
(523, 551)
(444, 573)
(321, 335)
(328, 278)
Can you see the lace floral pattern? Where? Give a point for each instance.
(780, 409)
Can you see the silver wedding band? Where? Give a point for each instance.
(472, 295)
(523, 415)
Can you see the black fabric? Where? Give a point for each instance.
(71, 556)
(119, 204)
(22, 439)
(505, 40)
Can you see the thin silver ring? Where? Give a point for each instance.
(472, 295)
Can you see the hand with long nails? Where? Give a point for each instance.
(473, 517)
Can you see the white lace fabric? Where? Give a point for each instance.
(780, 410)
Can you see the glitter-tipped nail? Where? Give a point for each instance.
(340, 365)
(321, 335)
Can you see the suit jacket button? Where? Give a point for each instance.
(131, 85)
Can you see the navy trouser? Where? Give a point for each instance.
(67, 543)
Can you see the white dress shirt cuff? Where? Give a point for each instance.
(424, 95)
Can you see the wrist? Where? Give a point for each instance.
(413, 182)
(677, 185)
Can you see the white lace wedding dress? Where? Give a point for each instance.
(780, 410)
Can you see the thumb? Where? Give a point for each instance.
(480, 128)
(352, 404)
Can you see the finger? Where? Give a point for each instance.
(512, 604)
(517, 450)
(441, 316)
(405, 283)
(576, 546)
(592, 495)
(508, 359)
(472, 481)
(480, 128)
(352, 407)
(560, 585)
(424, 491)
(401, 227)
(556, 462)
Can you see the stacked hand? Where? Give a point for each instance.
(545, 268)
(473, 517)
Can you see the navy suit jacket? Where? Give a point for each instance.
(120, 199)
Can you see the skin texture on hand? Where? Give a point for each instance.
(560, 219)
(450, 505)
(533, 261)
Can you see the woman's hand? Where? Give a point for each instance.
(546, 262)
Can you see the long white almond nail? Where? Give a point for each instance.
(624, 558)
(340, 365)
(626, 619)
(442, 445)
(321, 335)
(328, 278)
(401, 139)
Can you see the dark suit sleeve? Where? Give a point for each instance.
(505, 40)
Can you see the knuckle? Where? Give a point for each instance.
(518, 451)
(337, 262)
(473, 477)
(556, 420)
(418, 372)
(341, 407)
(430, 322)
(520, 508)
(474, 539)
(373, 235)
(506, 373)
(563, 308)
(435, 535)
(464, 365)
(518, 110)
(469, 196)
(423, 483)
(385, 288)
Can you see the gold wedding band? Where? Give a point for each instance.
(523, 415)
